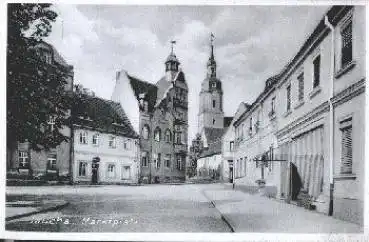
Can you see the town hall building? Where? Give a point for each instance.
(159, 114)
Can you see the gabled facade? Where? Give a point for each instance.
(105, 146)
(159, 113)
(313, 118)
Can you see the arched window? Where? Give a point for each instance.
(157, 134)
(145, 132)
(168, 136)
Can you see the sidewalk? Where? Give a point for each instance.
(18, 208)
(255, 213)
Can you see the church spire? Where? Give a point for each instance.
(211, 63)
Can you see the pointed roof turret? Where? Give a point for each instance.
(212, 65)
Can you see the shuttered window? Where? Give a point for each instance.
(346, 150)
(300, 79)
(346, 38)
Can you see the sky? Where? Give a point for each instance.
(251, 44)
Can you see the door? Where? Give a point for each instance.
(126, 172)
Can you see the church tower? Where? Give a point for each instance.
(171, 65)
(211, 96)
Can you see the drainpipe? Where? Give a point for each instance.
(331, 117)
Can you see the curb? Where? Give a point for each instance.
(222, 216)
(48, 209)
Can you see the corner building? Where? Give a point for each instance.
(159, 113)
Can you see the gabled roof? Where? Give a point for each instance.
(140, 87)
(227, 121)
(213, 149)
(101, 115)
(214, 140)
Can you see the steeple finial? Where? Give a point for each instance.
(212, 37)
(173, 42)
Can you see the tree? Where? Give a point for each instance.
(195, 151)
(35, 88)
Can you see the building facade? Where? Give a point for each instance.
(105, 146)
(310, 146)
(159, 113)
(54, 164)
(228, 140)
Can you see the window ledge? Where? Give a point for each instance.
(345, 69)
(287, 113)
(315, 92)
(299, 104)
(345, 177)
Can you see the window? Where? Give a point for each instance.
(51, 162)
(288, 97)
(300, 80)
(179, 163)
(250, 127)
(125, 145)
(146, 106)
(23, 159)
(213, 121)
(158, 161)
(146, 132)
(178, 137)
(82, 168)
(346, 44)
(112, 142)
(83, 137)
(213, 103)
(271, 157)
(129, 144)
(242, 128)
(95, 139)
(51, 123)
(157, 134)
(214, 85)
(316, 64)
(167, 161)
(272, 106)
(231, 145)
(47, 57)
(144, 158)
(168, 136)
(111, 170)
(346, 146)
